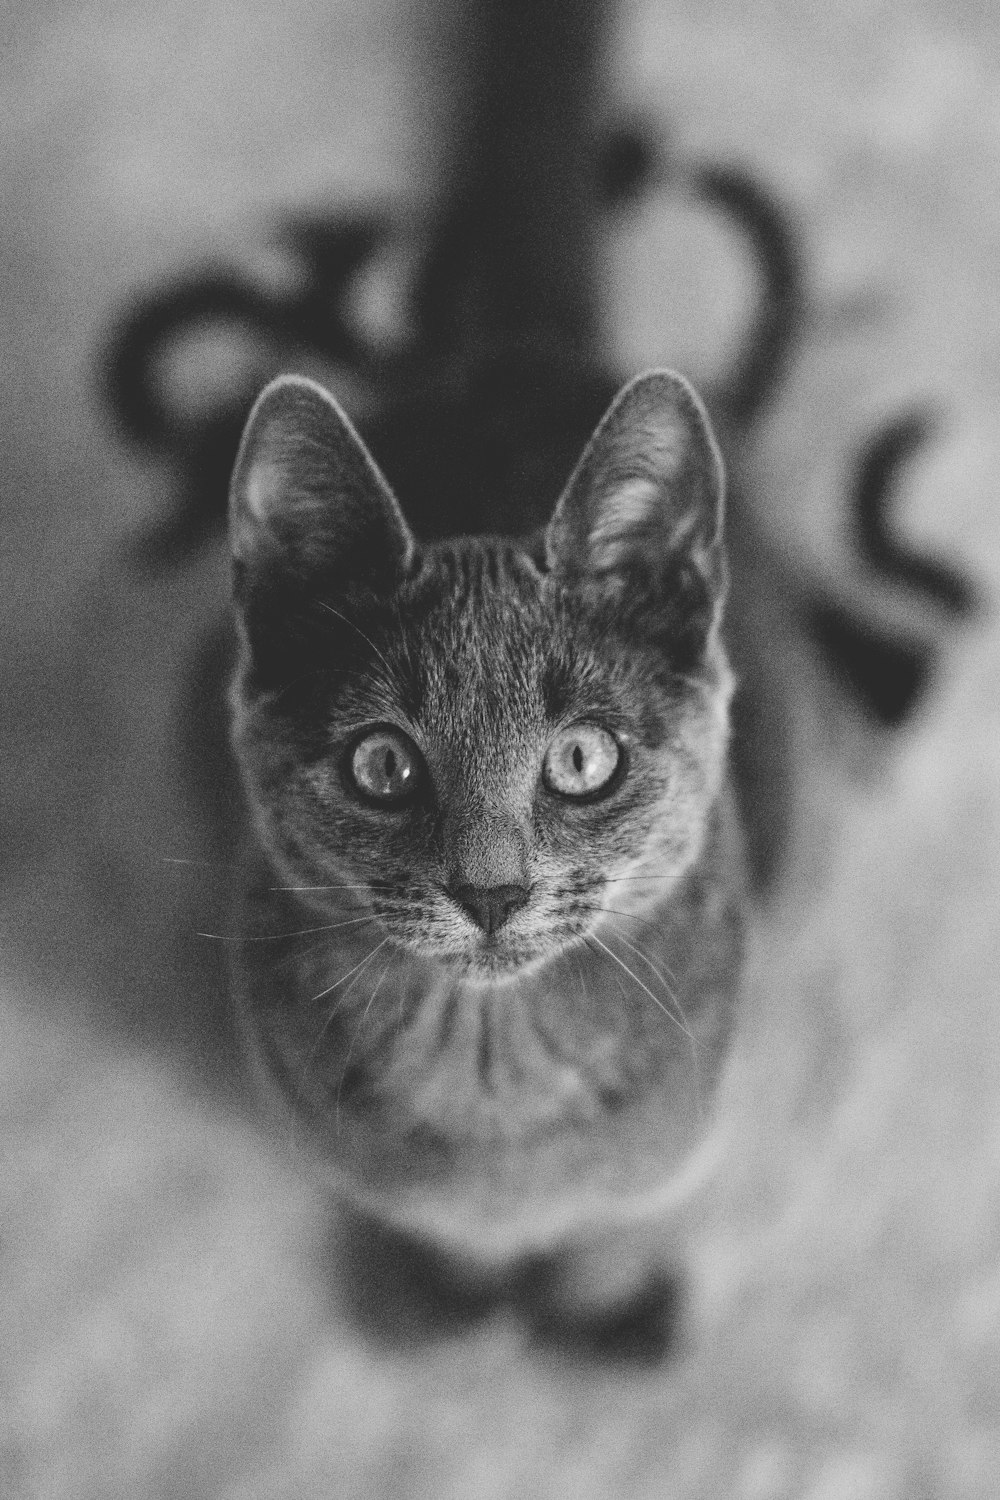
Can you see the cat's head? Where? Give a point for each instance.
(486, 744)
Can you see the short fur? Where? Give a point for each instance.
(493, 1090)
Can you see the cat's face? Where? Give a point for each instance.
(484, 750)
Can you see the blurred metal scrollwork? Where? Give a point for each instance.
(479, 408)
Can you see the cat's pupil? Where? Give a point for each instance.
(577, 764)
(385, 767)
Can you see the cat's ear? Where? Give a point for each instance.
(639, 525)
(307, 501)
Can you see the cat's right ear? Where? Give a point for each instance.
(308, 506)
(639, 526)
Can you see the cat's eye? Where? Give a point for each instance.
(385, 766)
(581, 761)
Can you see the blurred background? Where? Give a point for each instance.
(168, 1322)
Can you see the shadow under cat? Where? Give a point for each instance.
(401, 1292)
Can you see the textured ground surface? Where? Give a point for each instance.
(167, 1324)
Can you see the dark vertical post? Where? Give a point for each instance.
(525, 182)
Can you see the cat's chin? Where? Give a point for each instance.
(493, 968)
(492, 962)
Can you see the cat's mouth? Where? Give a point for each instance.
(496, 955)
(489, 955)
(446, 935)
(501, 955)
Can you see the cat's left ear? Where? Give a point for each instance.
(307, 500)
(639, 525)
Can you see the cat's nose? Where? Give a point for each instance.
(490, 905)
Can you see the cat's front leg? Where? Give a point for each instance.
(613, 1295)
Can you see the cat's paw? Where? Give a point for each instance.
(612, 1298)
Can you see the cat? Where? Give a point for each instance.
(492, 901)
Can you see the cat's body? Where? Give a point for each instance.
(492, 906)
(498, 1119)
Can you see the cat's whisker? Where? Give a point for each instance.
(392, 959)
(617, 979)
(338, 982)
(299, 955)
(357, 1032)
(201, 864)
(290, 682)
(593, 938)
(675, 998)
(276, 937)
(661, 974)
(357, 628)
(362, 885)
(583, 980)
(398, 1017)
(644, 921)
(334, 1009)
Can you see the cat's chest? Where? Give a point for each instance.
(471, 1108)
(588, 1036)
(510, 1060)
(446, 1103)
